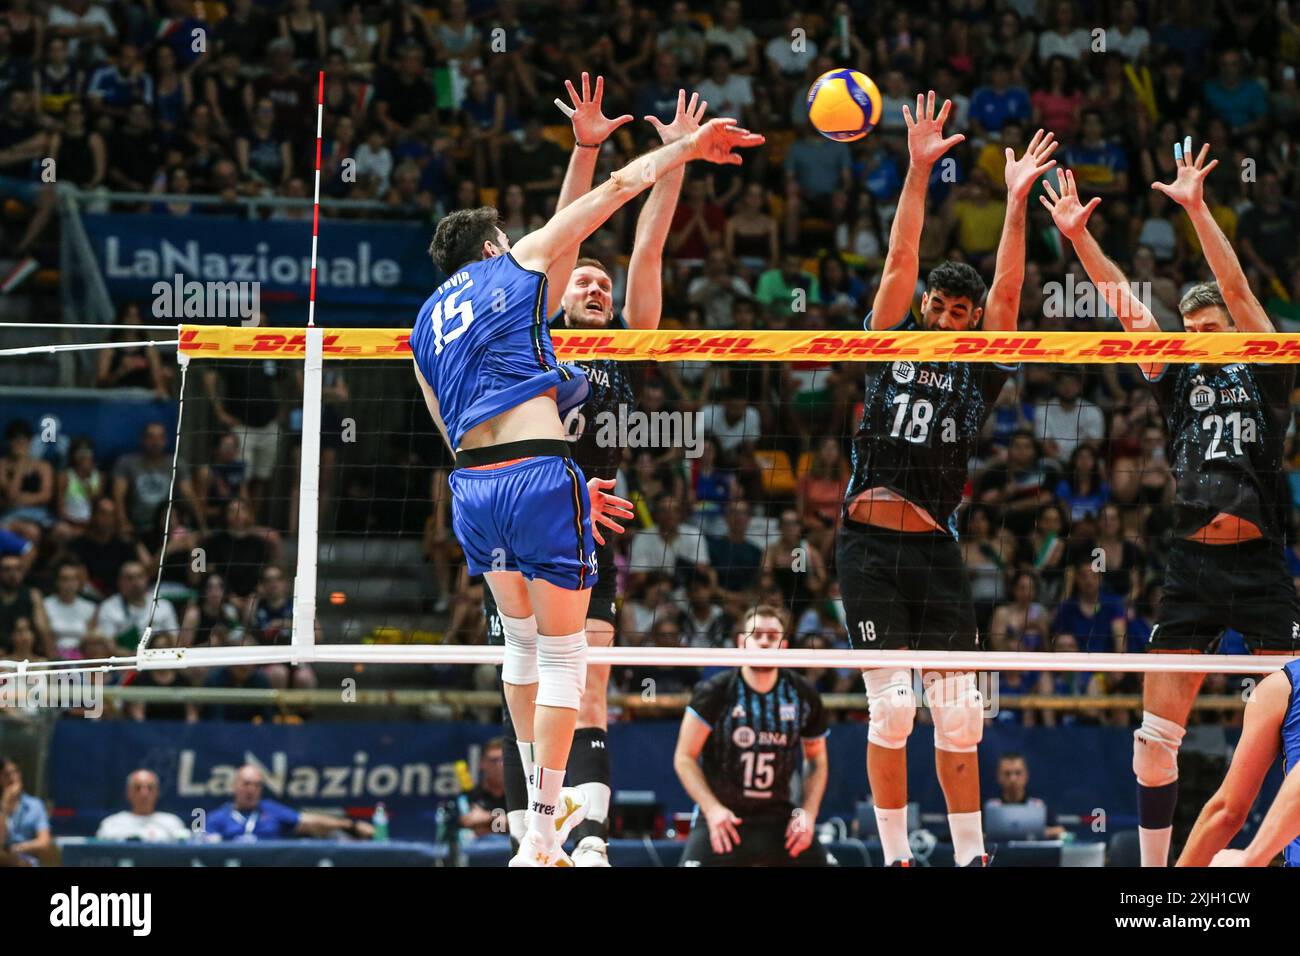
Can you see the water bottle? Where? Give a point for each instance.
(380, 823)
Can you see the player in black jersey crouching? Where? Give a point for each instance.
(901, 572)
(588, 304)
(744, 737)
(1227, 426)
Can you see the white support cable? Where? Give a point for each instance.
(92, 325)
(682, 657)
(84, 347)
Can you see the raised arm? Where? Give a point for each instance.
(643, 301)
(590, 129)
(1071, 218)
(713, 142)
(1002, 310)
(1187, 190)
(925, 144)
(1226, 811)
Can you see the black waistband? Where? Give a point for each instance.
(865, 528)
(528, 448)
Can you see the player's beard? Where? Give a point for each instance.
(582, 318)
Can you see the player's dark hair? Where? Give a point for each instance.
(460, 236)
(588, 261)
(957, 279)
(1201, 296)
(1012, 755)
(762, 610)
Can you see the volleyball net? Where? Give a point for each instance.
(299, 512)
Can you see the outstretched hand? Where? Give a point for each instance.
(715, 140)
(1021, 173)
(925, 140)
(591, 126)
(605, 508)
(686, 122)
(1188, 185)
(1069, 214)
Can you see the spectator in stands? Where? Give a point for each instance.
(208, 613)
(1100, 168)
(1013, 783)
(727, 93)
(1023, 624)
(819, 491)
(1144, 478)
(1267, 229)
(26, 485)
(19, 601)
(250, 816)
(794, 565)
(989, 553)
(143, 821)
(777, 288)
(1064, 39)
(1069, 421)
(142, 481)
(751, 236)
(248, 403)
(404, 95)
(80, 486)
(1058, 104)
(670, 547)
(698, 224)
(265, 152)
(1000, 101)
(123, 617)
(536, 164)
(268, 619)
(24, 825)
(717, 288)
(1083, 490)
(1020, 486)
(1088, 613)
(241, 550)
(103, 548)
(1117, 558)
(121, 84)
(733, 423)
(815, 170)
(973, 216)
(485, 812)
(69, 614)
(735, 559)
(131, 366)
(704, 622)
(1240, 101)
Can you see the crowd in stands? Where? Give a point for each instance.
(436, 107)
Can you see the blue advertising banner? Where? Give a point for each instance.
(411, 766)
(367, 272)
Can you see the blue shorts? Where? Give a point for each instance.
(533, 517)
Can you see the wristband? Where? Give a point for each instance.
(586, 145)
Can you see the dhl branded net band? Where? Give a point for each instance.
(669, 345)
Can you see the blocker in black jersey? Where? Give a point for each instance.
(921, 423)
(610, 389)
(1227, 425)
(753, 751)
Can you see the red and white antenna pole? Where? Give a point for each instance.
(315, 211)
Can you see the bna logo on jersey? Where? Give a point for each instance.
(904, 372)
(1202, 397)
(743, 737)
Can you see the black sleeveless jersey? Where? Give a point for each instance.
(920, 427)
(593, 425)
(1227, 425)
(756, 744)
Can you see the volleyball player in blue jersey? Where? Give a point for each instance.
(1272, 725)
(522, 511)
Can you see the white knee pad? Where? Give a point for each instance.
(561, 670)
(1155, 750)
(957, 708)
(891, 703)
(520, 664)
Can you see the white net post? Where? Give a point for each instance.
(304, 584)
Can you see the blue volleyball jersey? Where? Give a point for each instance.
(1291, 747)
(482, 344)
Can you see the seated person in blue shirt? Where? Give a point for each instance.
(24, 826)
(250, 816)
(1013, 787)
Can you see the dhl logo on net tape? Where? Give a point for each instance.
(671, 345)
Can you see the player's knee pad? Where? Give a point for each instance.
(957, 709)
(520, 663)
(1155, 750)
(561, 670)
(891, 702)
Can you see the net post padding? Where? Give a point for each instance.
(304, 586)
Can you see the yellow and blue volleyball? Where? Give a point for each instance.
(844, 105)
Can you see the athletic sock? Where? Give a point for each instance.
(1156, 807)
(543, 804)
(589, 772)
(892, 827)
(967, 831)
